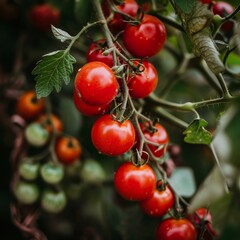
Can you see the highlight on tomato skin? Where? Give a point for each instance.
(111, 137)
(145, 39)
(135, 183)
(96, 83)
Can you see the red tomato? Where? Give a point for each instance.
(143, 84)
(160, 137)
(47, 122)
(111, 137)
(159, 203)
(203, 220)
(44, 15)
(145, 39)
(176, 229)
(28, 106)
(95, 53)
(68, 150)
(135, 183)
(89, 110)
(96, 83)
(117, 24)
(223, 9)
(206, 1)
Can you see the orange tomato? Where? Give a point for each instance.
(29, 106)
(49, 121)
(68, 150)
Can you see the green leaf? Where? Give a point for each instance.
(51, 70)
(185, 6)
(183, 182)
(60, 34)
(196, 133)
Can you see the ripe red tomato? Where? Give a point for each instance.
(47, 122)
(111, 137)
(135, 183)
(159, 203)
(117, 23)
(206, 1)
(95, 53)
(145, 39)
(89, 110)
(143, 84)
(28, 106)
(180, 229)
(96, 83)
(160, 136)
(223, 9)
(202, 218)
(44, 15)
(68, 150)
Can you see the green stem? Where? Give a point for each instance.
(236, 11)
(163, 113)
(100, 16)
(168, 21)
(84, 29)
(190, 106)
(223, 85)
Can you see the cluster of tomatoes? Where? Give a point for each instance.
(98, 85)
(106, 86)
(43, 134)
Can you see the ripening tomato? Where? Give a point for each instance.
(145, 39)
(26, 192)
(47, 122)
(111, 137)
(44, 15)
(96, 83)
(68, 149)
(89, 110)
(135, 183)
(159, 203)
(223, 9)
(29, 106)
(52, 201)
(95, 53)
(142, 84)
(176, 229)
(160, 136)
(117, 23)
(52, 173)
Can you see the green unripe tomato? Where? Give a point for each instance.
(29, 170)
(52, 173)
(36, 135)
(91, 171)
(25, 192)
(53, 202)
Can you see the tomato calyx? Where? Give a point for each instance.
(161, 185)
